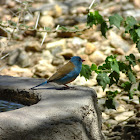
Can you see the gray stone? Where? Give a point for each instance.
(13, 56)
(44, 69)
(61, 114)
(56, 50)
(47, 21)
(2, 2)
(58, 60)
(33, 46)
(124, 116)
(50, 6)
(117, 42)
(97, 57)
(135, 13)
(23, 60)
(19, 57)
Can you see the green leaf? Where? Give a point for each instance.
(94, 18)
(90, 19)
(105, 66)
(134, 35)
(115, 20)
(26, 27)
(115, 66)
(129, 23)
(76, 27)
(93, 67)
(104, 28)
(138, 31)
(85, 71)
(110, 58)
(123, 67)
(63, 28)
(131, 76)
(138, 46)
(111, 94)
(111, 63)
(114, 78)
(103, 80)
(12, 23)
(98, 17)
(48, 29)
(139, 86)
(131, 58)
(110, 103)
(126, 86)
(130, 20)
(130, 94)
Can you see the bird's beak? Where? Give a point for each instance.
(83, 60)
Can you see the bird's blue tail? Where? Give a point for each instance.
(39, 85)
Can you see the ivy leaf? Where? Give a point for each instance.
(126, 86)
(130, 22)
(112, 63)
(139, 86)
(48, 29)
(93, 67)
(94, 18)
(98, 17)
(131, 76)
(138, 46)
(85, 71)
(110, 58)
(138, 32)
(134, 35)
(12, 23)
(110, 103)
(63, 28)
(104, 28)
(114, 78)
(105, 66)
(111, 94)
(131, 58)
(122, 66)
(90, 19)
(115, 20)
(103, 80)
(130, 94)
(115, 66)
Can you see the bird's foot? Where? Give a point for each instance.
(68, 87)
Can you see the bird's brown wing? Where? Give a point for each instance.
(62, 71)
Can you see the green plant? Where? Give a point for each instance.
(130, 24)
(109, 72)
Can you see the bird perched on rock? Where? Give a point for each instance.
(66, 73)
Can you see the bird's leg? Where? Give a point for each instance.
(66, 86)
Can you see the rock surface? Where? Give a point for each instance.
(70, 114)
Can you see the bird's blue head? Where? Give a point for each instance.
(77, 61)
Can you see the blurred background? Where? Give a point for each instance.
(32, 46)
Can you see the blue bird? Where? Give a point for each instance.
(66, 73)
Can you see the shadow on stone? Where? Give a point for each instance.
(56, 114)
(19, 96)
